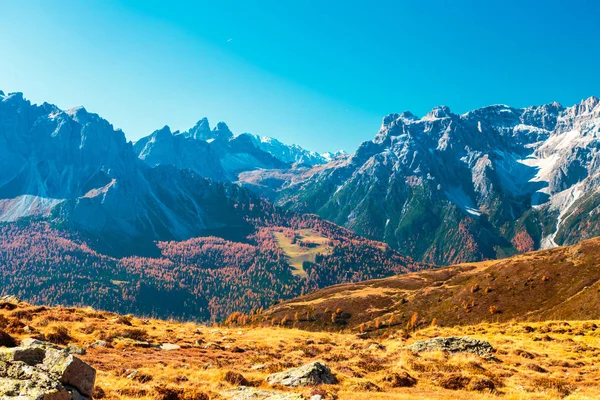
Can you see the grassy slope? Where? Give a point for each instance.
(545, 360)
(561, 283)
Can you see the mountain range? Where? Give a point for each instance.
(85, 220)
(450, 188)
(201, 223)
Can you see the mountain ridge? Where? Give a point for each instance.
(448, 188)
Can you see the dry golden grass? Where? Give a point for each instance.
(543, 360)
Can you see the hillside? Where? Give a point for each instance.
(166, 360)
(449, 188)
(561, 283)
(203, 278)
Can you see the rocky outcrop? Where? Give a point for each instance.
(39, 370)
(315, 373)
(453, 344)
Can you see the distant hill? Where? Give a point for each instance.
(561, 283)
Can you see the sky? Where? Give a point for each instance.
(321, 74)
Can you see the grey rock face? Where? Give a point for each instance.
(315, 373)
(453, 344)
(42, 372)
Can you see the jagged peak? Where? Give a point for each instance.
(13, 95)
(591, 102)
(202, 124)
(76, 110)
(163, 132)
(222, 131)
(439, 112)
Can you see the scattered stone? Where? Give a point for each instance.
(453, 344)
(74, 349)
(258, 367)
(310, 341)
(315, 373)
(212, 346)
(99, 343)
(135, 343)
(169, 346)
(132, 374)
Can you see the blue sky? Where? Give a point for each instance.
(321, 74)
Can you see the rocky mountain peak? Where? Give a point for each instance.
(200, 131)
(439, 112)
(221, 132)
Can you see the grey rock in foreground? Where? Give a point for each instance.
(315, 373)
(453, 344)
(37, 370)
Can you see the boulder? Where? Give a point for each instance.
(315, 373)
(169, 346)
(23, 381)
(27, 355)
(70, 370)
(453, 344)
(41, 371)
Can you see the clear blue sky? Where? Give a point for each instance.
(321, 74)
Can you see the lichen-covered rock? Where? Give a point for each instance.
(453, 344)
(74, 349)
(23, 381)
(27, 355)
(315, 373)
(70, 370)
(40, 371)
